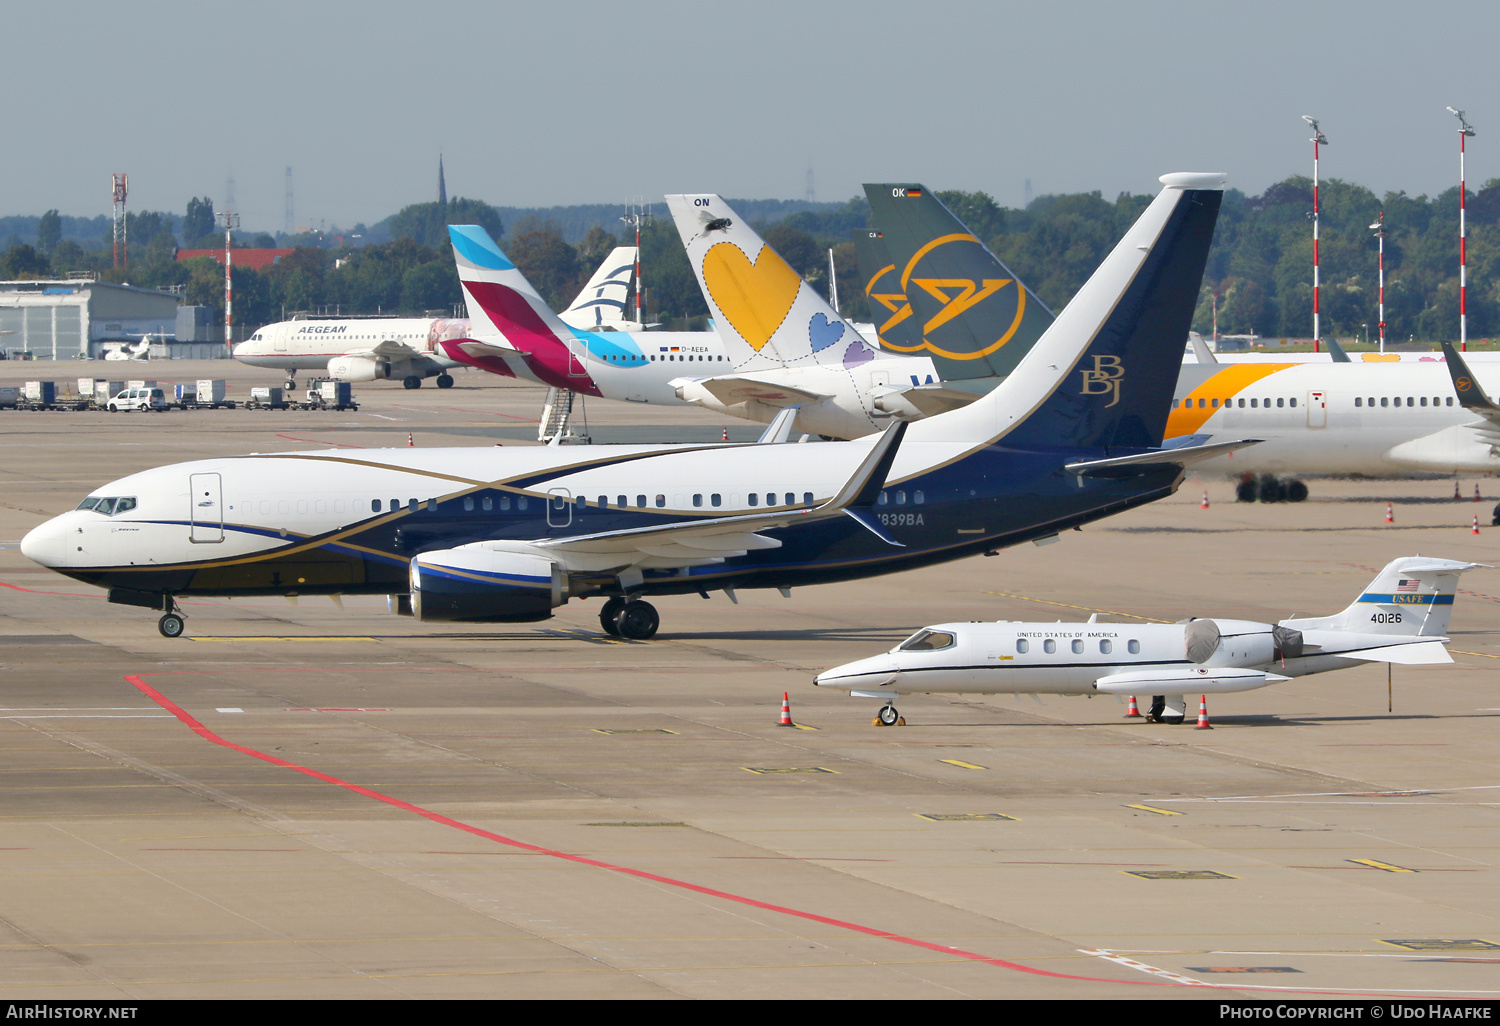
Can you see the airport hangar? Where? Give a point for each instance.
(77, 318)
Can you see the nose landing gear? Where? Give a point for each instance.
(172, 622)
(889, 717)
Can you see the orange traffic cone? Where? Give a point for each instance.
(1390, 514)
(409, 440)
(1456, 495)
(1476, 526)
(1203, 723)
(1476, 491)
(786, 712)
(1132, 711)
(1205, 501)
(725, 436)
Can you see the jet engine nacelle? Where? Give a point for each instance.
(353, 368)
(481, 584)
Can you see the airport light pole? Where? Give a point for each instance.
(634, 218)
(231, 222)
(1464, 131)
(1318, 140)
(1379, 229)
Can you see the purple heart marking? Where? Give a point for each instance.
(858, 353)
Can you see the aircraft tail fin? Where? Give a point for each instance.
(1336, 351)
(601, 304)
(896, 329)
(765, 314)
(499, 298)
(1411, 597)
(1102, 376)
(967, 311)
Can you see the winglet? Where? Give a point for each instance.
(864, 485)
(780, 429)
(1470, 395)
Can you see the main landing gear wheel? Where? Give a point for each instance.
(291, 383)
(609, 613)
(445, 381)
(170, 625)
(411, 381)
(888, 716)
(637, 620)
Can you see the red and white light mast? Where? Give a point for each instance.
(231, 222)
(1464, 130)
(1379, 229)
(1318, 140)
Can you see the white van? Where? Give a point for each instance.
(139, 399)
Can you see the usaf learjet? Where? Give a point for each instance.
(509, 534)
(1402, 617)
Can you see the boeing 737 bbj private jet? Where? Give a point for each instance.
(509, 534)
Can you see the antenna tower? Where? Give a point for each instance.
(118, 185)
(812, 192)
(291, 217)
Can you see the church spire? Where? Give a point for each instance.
(442, 185)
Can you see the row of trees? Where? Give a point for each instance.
(1259, 268)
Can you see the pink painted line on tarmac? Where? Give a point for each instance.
(318, 441)
(137, 680)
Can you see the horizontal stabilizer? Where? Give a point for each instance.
(1194, 680)
(930, 400)
(1423, 653)
(493, 347)
(733, 390)
(1182, 456)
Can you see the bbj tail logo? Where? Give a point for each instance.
(1104, 379)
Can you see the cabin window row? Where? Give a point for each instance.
(1106, 646)
(659, 501)
(1386, 400)
(1255, 404)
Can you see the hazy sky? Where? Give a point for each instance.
(540, 104)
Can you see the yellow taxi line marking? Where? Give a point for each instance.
(961, 764)
(1159, 812)
(1377, 864)
(269, 637)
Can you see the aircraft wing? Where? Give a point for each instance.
(390, 349)
(707, 540)
(1471, 396)
(730, 390)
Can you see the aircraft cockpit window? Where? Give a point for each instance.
(927, 641)
(108, 505)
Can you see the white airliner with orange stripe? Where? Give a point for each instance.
(1348, 418)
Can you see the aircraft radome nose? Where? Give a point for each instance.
(44, 545)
